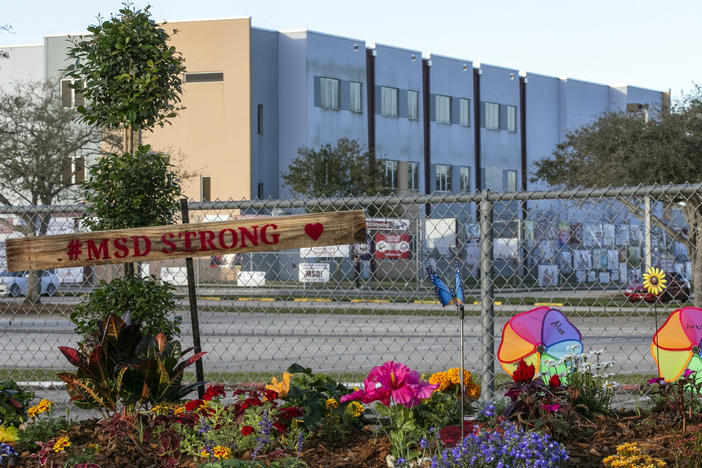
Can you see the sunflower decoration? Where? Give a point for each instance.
(654, 281)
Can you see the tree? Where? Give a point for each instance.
(132, 81)
(132, 75)
(345, 169)
(629, 149)
(38, 140)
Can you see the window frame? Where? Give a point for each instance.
(76, 98)
(464, 179)
(329, 86)
(489, 122)
(383, 110)
(393, 177)
(356, 96)
(413, 176)
(512, 119)
(464, 114)
(444, 177)
(443, 117)
(412, 110)
(508, 173)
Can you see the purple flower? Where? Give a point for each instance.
(554, 407)
(688, 373)
(658, 380)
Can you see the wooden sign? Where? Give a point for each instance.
(186, 240)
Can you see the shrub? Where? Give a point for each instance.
(13, 403)
(147, 302)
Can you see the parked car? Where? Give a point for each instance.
(14, 283)
(677, 288)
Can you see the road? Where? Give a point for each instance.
(262, 340)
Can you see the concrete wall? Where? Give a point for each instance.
(452, 144)
(213, 132)
(292, 100)
(399, 138)
(264, 92)
(24, 63)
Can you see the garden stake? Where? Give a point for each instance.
(195, 322)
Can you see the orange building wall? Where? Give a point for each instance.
(213, 133)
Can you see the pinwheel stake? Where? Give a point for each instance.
(449, 296)
(654, 282)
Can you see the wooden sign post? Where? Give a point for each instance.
(186, 240)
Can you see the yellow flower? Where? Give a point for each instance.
(654, 280)
(354, 409)
(61, 444)
(204, 453)
(282, 388)
(629, 455)
(332, 403)
(179, 409)
(9, 434)
(221, 453)
(43, 405)
(442, 379)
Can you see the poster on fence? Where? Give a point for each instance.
(387, 224)
(472, 258)
(392, 246)
(605, 277)
(580, 276)
(548, 275)
(176, 276)
(328, 251)
(313, 272)
(635, 234)
(529, 234)
(582, 260)
(576, 233)
(608, 235)
(440, 234)
(621, 236)
(563, 233)
(505, 247)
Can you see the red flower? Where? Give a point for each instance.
(251, 402)
(291, 412)
(450, 435)
(193, 405)
(270, 395)
(524, 373)
(280, 427)
(554, 381)
(213, 391)
(247, 430)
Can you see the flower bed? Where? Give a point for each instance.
(398, 417)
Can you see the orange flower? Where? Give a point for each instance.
(281, 387)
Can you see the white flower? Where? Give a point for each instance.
(573, 347)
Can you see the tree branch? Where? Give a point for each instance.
(640, 213)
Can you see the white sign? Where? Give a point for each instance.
(328, 251)
(548, 275)
(251, 279)
(505, 247)
(387, 224)
(313, 272)
(440, 234)
(177, 276)
(70, 275)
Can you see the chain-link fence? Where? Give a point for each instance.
(344, 309)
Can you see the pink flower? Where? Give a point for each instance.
(553, 408)
(688, 373)
(395, 380)
(658, 380)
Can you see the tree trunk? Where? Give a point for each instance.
(33, 288)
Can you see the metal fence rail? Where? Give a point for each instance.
(344, 309)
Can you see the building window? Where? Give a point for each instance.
(464, 117)
(443, 109)
(510, 181)
(388, 101)
(443, 178)
(260, 119)
(355, 97)
(464, 179)
(492, 116)
(413, 105)
(413, 176)
(511, 119)
(205, 189)
(71, 94)
(390, 174)
(260, 191)
(203, 77)
(329, 93)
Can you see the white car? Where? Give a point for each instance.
(14, 283)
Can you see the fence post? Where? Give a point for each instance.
(647, 231)
(487, 299)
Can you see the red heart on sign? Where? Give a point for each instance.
(314, 230)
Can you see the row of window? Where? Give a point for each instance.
(443, 177)
(389, 104)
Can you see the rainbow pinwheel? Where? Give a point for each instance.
(539, 334)
(676, 345)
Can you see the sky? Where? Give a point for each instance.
(647, 43)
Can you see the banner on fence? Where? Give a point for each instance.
(313, 272)
(392, 246)
(186, 240)
(387, 224)
(329, 251)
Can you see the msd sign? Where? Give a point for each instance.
(392, 246)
